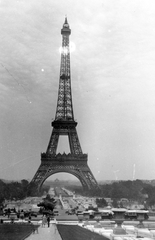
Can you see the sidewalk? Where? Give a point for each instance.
(45, 233)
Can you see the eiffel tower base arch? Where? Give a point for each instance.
(68, 163)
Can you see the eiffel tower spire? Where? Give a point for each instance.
(64, 109)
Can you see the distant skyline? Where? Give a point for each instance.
(112, 77)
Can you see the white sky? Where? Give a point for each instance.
(113, 83)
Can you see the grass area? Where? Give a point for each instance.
(15, 231)
(74, 232)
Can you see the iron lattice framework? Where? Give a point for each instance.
(64, 124)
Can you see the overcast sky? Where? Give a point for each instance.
(113, 84)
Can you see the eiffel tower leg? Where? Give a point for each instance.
(74, 142)
(89, 179)
(53, 143)
(40, 174)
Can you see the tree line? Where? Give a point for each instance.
(18, 190)
(136, 190)
(132, 190)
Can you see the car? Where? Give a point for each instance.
(56, 212)
(30, 213)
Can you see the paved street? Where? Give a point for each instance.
(45, 233)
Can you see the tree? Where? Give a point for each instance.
(115, 203)
(101, 202)
(150, 191)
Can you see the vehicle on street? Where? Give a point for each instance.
(55, 212)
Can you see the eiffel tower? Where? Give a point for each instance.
(75, 162)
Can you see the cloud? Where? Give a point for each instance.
(112, 74)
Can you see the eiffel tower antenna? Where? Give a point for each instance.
(75, 162)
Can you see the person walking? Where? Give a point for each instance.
(44, 220)
(22, 215)
(48, 220)
(29, 218)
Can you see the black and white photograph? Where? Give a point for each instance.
(77, 119)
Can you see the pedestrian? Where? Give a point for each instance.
(22, 215)
(44, 221)
(12, 217)
(48, 220)
(8, 212)
(18, 214)
(29, 218)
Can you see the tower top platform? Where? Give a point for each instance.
(65, 29)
